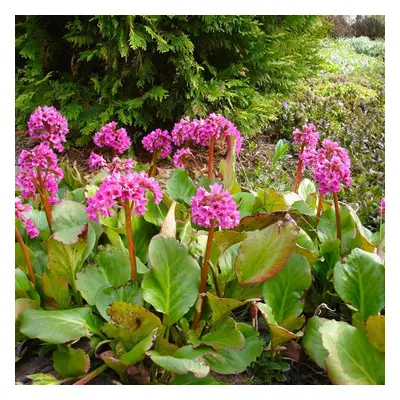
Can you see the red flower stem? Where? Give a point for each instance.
(45, 200)
(299, 170)
(114, 153)
(204, 273)
(153, 165)
(211, 157)
(91, 375)
(129, 236)
(319, 209)
(338, 222)
(26, 256)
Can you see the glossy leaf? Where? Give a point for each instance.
(56, 288)
(263, 254)
(352, 360)
(245, 203)
(225, 336)
(190, 379)
(137, 353)
(259, 221)
(312, 341)
(180, 186)
(221, 307)
(69, 221)
(360, 281)
(59, 326)
(375, 326)
(283, 293)
(43, 379)
(172, 284)
(306, 188)
(69, 362)
(89, 281)
(271, 201)
(115, 265)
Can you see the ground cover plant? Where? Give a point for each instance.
(189, 280)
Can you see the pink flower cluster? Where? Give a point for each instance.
(116, 165)
(382, 207)
(179, 157)
(20, 209)
(200, 130)
(110, 136)
(308, 136)
(331, 166)
(40, 158)
(158, 140)
(117, 189)
(48, 125)
(216, 204)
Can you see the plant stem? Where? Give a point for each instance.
(319, 209)
(114, 153)
(211, 157)
(338, 222)
(380, 227)
(204, 273)
(91, 375)
(26, 256)
(299, 170)
(153, 165)
(45, 200)
(129, 236)
(77, 295)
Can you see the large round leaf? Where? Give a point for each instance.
(263, 254)
(180, 186)
(172, 284)
(352, 360)
(360, 281)
(69, 221)
(283, 292)
(312, 341)
(69, 362)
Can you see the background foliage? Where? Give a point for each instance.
(147, 71)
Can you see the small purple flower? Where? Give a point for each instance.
(382, 206)
(20, 209)
(158, 140)
(110, 136)
(180, 156)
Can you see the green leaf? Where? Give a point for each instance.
(162, 287)
(245, 202)
(138, 351)
(93, 235)
(283, 293)
(237, 361)
(116, 266)
(56, 288)
(69, 362)
(327, 227)
(21, 281)
(130, 323)
(352, 360)
(44, 379)
(225, 336)
(69, 221)
(180, 366)
(302, 208)
(155, 213)
(221, 307)
(59, 326)
(259, 221)
(271, 201)
(360, 281)
(180, 186)
(65, 260)
(330, 251)
(190, 379)
(226, 262)
(306, 188)
(143, 232)
(312, 341)
(263, 254)
(376, 331)
(130, 293)
(89, 281)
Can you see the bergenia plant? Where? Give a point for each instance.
(307, 138)
(212, 209)
(331, 169)
(159, 143)
(109, 136)
(39, 174)
(127, 192)
(116, 165)
(31, 230)
(48, 125)
(181, 156)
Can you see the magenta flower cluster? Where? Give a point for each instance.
(20, 209)
(180, 155)
(116, 165)
(158, 140)
(117, 188)
(382, 207)
(110, 136)
(331, 166)
(48, 125)
(216, 204)
(201, 130)
(41, 159)
(308, 136)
